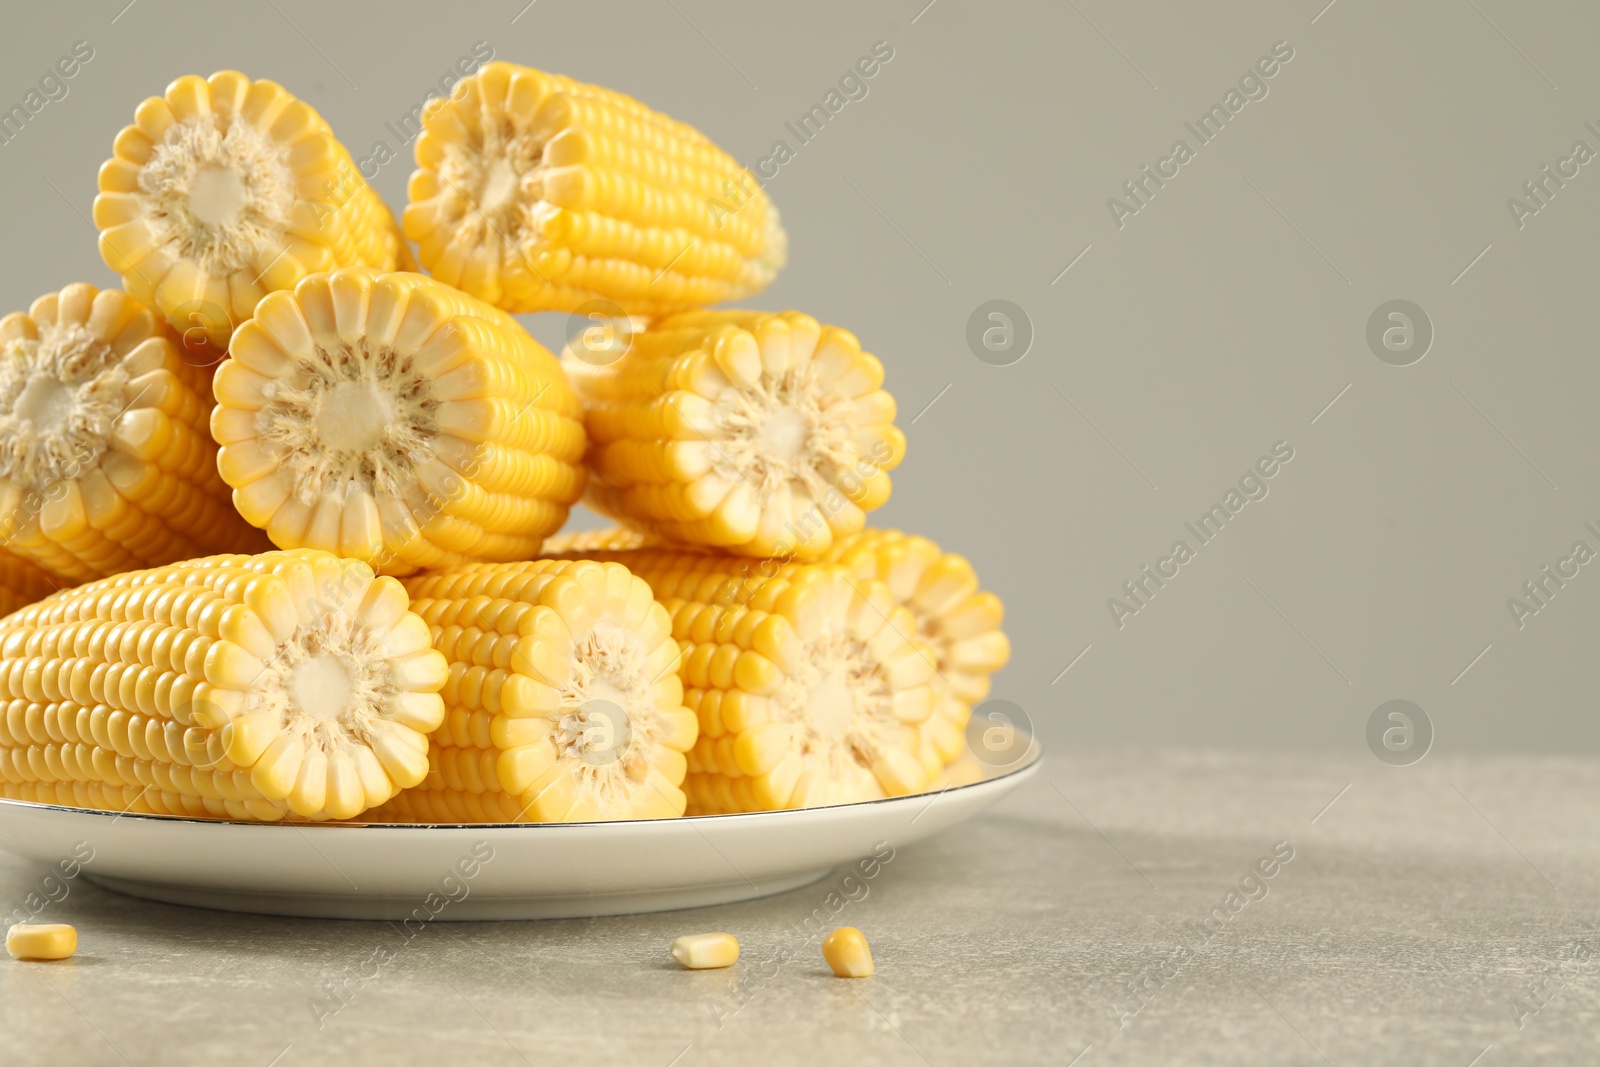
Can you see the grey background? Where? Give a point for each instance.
(1223, 317)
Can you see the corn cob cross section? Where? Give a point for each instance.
(393, 419)
(283, 685)
(535, 192)
(763, 434)
(105, 461)
(225, 189)
(957, 621)
(564, 703)
(810, 685)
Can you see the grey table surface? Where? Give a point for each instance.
(1435, 914)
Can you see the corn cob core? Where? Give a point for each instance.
(564, 701)
(393, 419)
(243, 687)
(763, 434)
(105, 462)
(21, 583)
(535, 192)
(958, 622)
(809, 684)
(226, 189)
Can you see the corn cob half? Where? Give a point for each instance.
(763, 434)
(535, 192)
(564, 703)
(953, 617)
(225, 189)
(243, 687)
(21, 583)
(810, 685)
(105, 462)
(393, 419)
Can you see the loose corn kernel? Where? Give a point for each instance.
(847, 952)
(106, 464)
(562, 700)
(224, 190)
(699, 952)
(392, 419)
(763, 434)
(41, 941)
(535, 192)
(289, 684)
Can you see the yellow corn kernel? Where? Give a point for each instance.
(535, 192)
(106, 464)
(41, 941)
(847, 953)
(21, 583)
(810, 684)
(393, 419)
(959, 623)
(580, 544)
(224, 190)
(762, 434)
(702, 952)
(563, 700)
(288, 684)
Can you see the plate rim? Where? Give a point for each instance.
(1026, 763)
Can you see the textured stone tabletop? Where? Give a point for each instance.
(1436, 914)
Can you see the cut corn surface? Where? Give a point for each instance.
(957, 621)
(287, 684)
(105, 461)
(21, 583)
(393, 419)
(535, 192)
(764, 434)
(564, 700)
(225, 189)
(965, 770)
(809, 683)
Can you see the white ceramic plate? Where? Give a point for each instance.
(486, 871)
